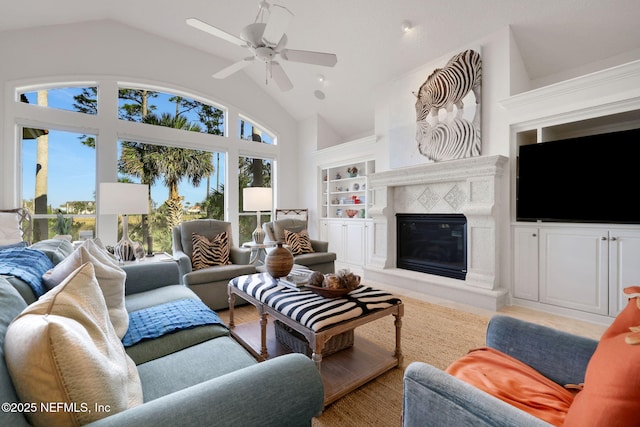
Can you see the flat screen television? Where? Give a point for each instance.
(591, 179)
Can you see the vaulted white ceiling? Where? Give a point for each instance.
(554, 37)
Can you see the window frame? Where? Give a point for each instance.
(109, 129)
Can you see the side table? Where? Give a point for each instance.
(258, 251)
(157, 257)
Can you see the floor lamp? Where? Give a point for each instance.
(126, 199)
(257, 199)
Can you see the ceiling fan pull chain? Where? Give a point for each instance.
(268, 72)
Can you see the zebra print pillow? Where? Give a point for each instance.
(209, 252)
(299, 243)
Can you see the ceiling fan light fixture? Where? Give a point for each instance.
(406, 26)
(266, 39)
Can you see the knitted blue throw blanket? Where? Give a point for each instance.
(172, 316)
(26, 264)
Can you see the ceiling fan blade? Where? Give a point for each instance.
(280, 77)
(226, 72)
(309, 57)
(279, 19)
(203, 26)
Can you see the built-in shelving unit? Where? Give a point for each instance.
(577, 269)
(344, 188)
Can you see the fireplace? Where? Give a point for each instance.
(474, 187)
(432, 243)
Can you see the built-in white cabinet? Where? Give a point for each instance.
(624, 250)
(350, 240)
(526, 264)
(573, 269)
(579, 268)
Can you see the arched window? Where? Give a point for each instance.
(185, 165)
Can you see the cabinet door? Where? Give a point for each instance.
(368, 242)
(525, 269)
(354, 243)
(335, 237)
(574, 268)
(624, 266)
(324, 233)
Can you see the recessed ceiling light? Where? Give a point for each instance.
(319, 94)
(405, 26)
(320, 78)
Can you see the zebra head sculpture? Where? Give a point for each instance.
(447, 86)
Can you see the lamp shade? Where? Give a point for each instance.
(257, 199)
(123, 198)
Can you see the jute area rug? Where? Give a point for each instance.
(431, 333)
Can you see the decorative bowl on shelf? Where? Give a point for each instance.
(351, 213)
(328, 292)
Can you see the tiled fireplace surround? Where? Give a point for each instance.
(473, 187)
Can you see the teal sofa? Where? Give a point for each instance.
(198, 376)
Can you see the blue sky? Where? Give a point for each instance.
(72, 165)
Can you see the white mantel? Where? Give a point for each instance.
(472, 187)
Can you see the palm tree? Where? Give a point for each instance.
(41, 225)
(171, 164)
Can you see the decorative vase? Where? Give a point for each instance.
(279, 261)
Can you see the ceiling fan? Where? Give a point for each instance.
(266, 40)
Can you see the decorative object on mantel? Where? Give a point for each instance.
(455, 137)
(124, 198)
(279, 261)
(352, 171)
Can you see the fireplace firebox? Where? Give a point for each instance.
(433, 243)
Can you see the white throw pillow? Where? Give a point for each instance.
(63, 350)
(10, 232)
(110, 277)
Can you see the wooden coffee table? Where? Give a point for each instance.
(343, 371)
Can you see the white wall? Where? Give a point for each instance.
(496, 85)
(395, 97)
(110, 50)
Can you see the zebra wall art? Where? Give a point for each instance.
(451, 137)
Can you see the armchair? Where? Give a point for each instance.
(209, 283)
(319, 260)
(432, 397)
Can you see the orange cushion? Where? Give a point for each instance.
(513, 382)
(611, 395)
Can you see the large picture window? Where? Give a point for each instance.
(64, 157)
(58, 183)
(185, 184)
